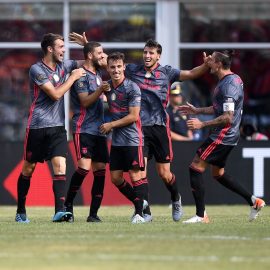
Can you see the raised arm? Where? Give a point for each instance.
(197, 71)
(77, 38)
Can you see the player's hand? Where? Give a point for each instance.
(187, 109)
(103, 62)
(78, 73)
(206, 58)
(77, 38)
(106, 128)
(105, 86)
(194, 123)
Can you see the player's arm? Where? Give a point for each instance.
(222, 120)
(188, 109)
(56, 93)
(197, 71)
(177, 137)
(133, 116)
(87, 100)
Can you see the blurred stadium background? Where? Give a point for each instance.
(185, 29)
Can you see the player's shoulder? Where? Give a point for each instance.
(232, 81)
(134, 67)
(37, 67)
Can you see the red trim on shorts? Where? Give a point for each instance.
(169, 136)
(138, 183)
(77, 145)
(214, 144)
(80, 120)
(140, 147)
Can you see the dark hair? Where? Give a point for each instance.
(48, 40)
(153, 44)
(225, 57)
(89, 47)
(116, 56)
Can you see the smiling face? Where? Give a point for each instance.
(116, 70)
(58, 50)
(97, 56)
(150, 57)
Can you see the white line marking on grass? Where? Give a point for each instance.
(162, 258)
(237, 259)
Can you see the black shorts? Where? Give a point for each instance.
(157, 142)
(45, 143)
(125, 158)
(213, 153)
(91, 146)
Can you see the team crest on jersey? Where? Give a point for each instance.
(56, 78)
(84, 150)
(80, 84)
(113, 96)
(41, 77)
(157, 74)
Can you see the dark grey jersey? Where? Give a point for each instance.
(228, 96)
(45, 112)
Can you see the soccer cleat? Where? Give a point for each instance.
(137, 219)
(197, 219)
(177, 210)
(69, 208)
(61, 216)
(21, 218)
(93, 219)
(147, 218)
(256, 208)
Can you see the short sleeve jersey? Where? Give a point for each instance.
(155, 87)
(125, 95)
(45, 112)
(228, 96)
(87, 120)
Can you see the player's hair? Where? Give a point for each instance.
(116, 56)
(48, 40)
(153, 44)
(225, 57)
(89, 47)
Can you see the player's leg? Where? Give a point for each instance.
(169, 180)
(100, 156)
(196, 171)
(23, 186)
(227, 181)
(84, 165)
(99, 170)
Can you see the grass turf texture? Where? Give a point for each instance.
(230, 241)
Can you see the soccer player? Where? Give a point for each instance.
(227, 108)
(154, 81)
(45, 137)
(126, 154)
(90, 144)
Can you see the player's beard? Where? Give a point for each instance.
(96, 63)
(55, 58)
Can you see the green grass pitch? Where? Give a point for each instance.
(230, 241)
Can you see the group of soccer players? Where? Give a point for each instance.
(137, 96)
